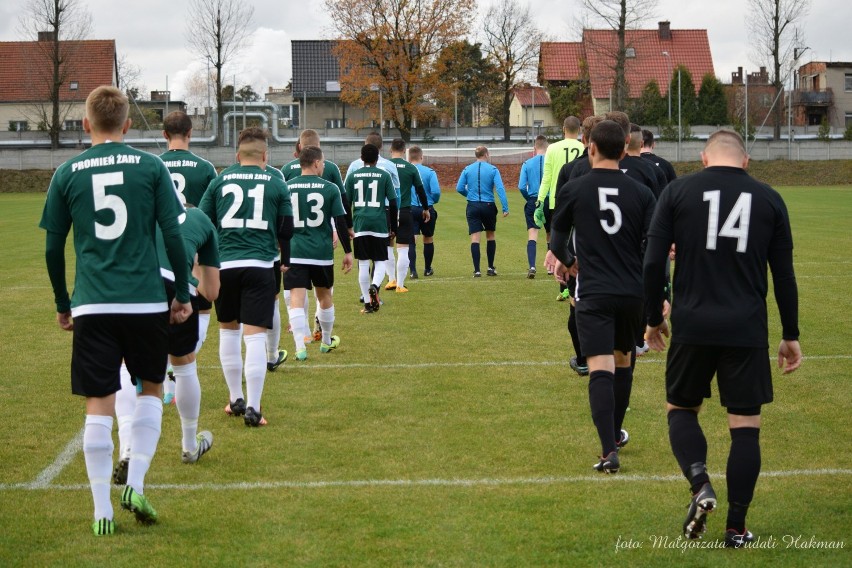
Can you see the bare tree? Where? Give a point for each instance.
(197, 92)
(127, 74)
(619, 16)
(512, 42)
(774, 35)
(391, 46)
(217, 31)
(58, 25)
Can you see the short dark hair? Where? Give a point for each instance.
(369, 154)
(589, 123)
(647, 138)
(480, 151)
(398, 145)
(253, 133)
(177, 123)
(608, 138)
(374, 138)
(621, 119)
(571, 124)
(309, 155)
(540, 142)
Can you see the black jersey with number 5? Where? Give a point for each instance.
(610, 213)
(724, 224)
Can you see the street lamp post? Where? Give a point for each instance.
(669, 81)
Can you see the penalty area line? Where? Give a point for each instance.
(437, 482)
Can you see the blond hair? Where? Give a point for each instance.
(106, 109)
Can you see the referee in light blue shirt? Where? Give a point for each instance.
(528, 184)
(477, 183)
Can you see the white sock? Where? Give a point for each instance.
(390, 266)
(364, 279)
(307, 316)
(326, 318)
(299, 325)
(255, 369)
(273, 336)
(231, 358)
(125, 406)
(203, 325)
(169, 385)
(147, 424)
(97, 449)
(401, 266)
(188, 401)
(379, 273)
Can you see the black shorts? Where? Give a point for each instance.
(743, 375)
(421, 228)
(405, 228)
(276, 272)
(309, 275)
(246, 295)
(368, 247)
(203, 303)
(548, 214)
(101, 341)
(608, 323)
(183, 337)
(529, 212)
(481, 216)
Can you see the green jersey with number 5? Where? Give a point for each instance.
(114, 196)
(244, 203)
(191, 174)
(315, 202)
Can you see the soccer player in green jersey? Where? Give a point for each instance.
(370, 190)
(315, 203)
(114, 196)
(191, 174)
(330, 172)
(252, 212)
(409, 180)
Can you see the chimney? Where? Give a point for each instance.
(45, 36)
(665, 30)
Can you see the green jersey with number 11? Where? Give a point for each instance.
(368, 190)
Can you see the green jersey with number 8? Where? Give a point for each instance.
(191, 174)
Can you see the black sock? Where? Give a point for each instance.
(743, 470)
(531, 253)
(601, 401)
(412, 256)
(622, 386)
(490, 249)
(474, 254)
(688, 445)
(428, 254)
(575, 336)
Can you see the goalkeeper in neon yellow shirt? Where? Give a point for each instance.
(558, 154)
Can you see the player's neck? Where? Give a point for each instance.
(179, 145)
(104, 137)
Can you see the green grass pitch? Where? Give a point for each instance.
(447, 430)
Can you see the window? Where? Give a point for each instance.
(848, 82)
(18, 126)
(333, 123)
(73, 85)
(630, 52)
(849, 120)
(72, 125)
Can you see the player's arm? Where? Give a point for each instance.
(787, 298)
(420, 191)
(546, 173)
(522, 181)
(55, 257)
(393, 210)
(461, 186)
(167, 209)
(560, 236)
(501, 191)
(434, 188)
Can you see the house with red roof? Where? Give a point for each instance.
(651, 55)
(26, 76)
(530, 108)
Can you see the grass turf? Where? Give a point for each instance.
(446, 430)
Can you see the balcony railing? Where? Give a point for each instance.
(813, 98)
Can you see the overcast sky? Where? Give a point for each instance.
(151, 34)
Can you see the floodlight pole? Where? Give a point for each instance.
(679, 130)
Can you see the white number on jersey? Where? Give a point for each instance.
(735, 226)
(315, 216)
(256, 221)
(603, 194)
(113, 202)
(373, 187)
(180, 184)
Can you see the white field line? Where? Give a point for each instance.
(644, 359)
(437, 482)
(46, 477)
